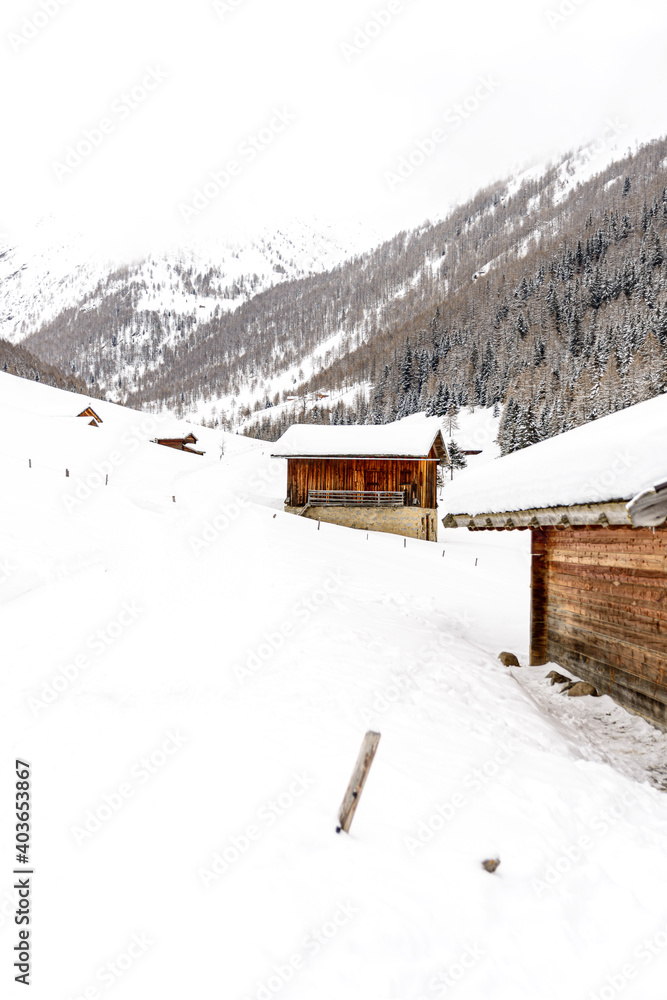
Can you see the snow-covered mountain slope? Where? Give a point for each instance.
(45, 271)
(51, 269)
(191, 681)
(223, 336)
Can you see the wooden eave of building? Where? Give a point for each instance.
(613, 513)
(440, 449)
(90, 412)
(362, 458)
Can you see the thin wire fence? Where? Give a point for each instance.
(91, 478)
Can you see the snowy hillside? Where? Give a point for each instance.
(190, 680)
(51, 269)
(45, 271)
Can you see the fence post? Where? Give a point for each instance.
(357, 781)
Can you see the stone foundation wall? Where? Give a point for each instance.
(412, 522)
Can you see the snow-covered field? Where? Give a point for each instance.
(191, 680)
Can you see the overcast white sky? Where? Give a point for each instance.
(355, 112)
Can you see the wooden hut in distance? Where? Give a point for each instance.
(95, 420)
(372, 477)
(599, 548)
(181, 443)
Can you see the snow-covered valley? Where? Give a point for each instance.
(190, 672)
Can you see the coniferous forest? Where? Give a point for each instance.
(16, 360)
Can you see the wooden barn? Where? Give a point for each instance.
(599, 548)
(95, 420)
(372, 477)
(180, 443)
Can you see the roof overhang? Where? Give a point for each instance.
(365, 458)
(438, 445)
(90, 412)
(611, 514)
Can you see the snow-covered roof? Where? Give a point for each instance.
(613, 458)
(173, 434)
(401, 439)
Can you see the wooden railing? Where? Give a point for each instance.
(350, 498)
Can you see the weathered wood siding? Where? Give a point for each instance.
(538, 598)
(416, 476)
(601, 599)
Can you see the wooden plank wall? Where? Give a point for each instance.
(305, 474)
(539, 649)
(606, 610)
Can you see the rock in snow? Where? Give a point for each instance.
(509, 660)
(580, 689)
